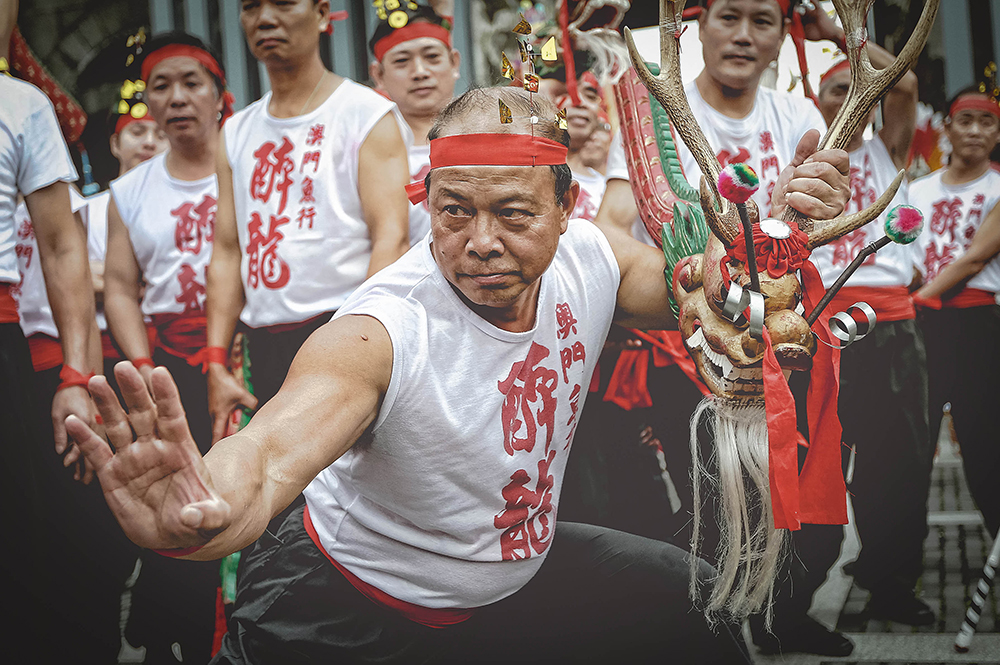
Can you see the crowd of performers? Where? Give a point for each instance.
(374, 519)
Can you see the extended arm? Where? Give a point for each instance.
(899, 108)
(224, 501)
(224, 301)
(985, 246)
(383, 174)
(122, 285)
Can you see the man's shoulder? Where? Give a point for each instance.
(355, 96)
(22, 102)
(136, 177)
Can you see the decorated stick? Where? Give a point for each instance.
(737, 183)
(964, 637)
(902, 225)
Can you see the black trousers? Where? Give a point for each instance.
(271, 354)
(963, 361)
(21, 566)
(600, 596)
(174, 600)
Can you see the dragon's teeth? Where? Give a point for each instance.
(696, 340)
(727, 368)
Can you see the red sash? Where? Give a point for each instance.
(8, 306)
(181, 335)
(427, 616)
(891, 303)
(967, 298)
(46, 352)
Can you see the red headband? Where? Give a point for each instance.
(125, 120)
(202, 56)
(489, 150)
(410, 31)
(839, 67)
(974, 102)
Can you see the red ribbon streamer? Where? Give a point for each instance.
(782, 440)
(569, 61)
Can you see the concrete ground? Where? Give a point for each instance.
(954, 554)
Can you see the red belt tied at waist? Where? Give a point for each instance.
(428, 616)
(628, 388)
(964, 299)
(46, 352)
(8, 306)
(891, 303)
(182, 335)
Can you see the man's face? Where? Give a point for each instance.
(581, 120)
(419, 75)
(137, 142)
(282, 30)
(183, 99)
(973, 134)
(739, 40)
(495, 230)
(833, 93)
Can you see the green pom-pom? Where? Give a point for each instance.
(903, 224)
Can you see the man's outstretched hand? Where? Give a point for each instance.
(155, 483)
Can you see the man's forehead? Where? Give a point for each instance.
(770, 6)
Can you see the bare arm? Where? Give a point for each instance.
(383, 174)
(225, 300)
(224, 501)
(899, 108)
(618, 209)
(985, 246)
(122, 290)
(642, 293)
(62, 247)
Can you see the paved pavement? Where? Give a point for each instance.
(954, 554)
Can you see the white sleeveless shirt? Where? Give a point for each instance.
(765, 138)
(32, 299)
(451, 501)
(304, 241)
(872, 171)
(592, 186)
(171, 224)
(952, 215)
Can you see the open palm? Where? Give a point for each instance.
(155, 483)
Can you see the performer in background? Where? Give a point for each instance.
(883, 378)
(160, 230)
(416, 67)
(311, 202)
(957, 254)
(35, 163)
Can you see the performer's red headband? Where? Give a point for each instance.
(125, 120)
(974, 102)
(839, 67)
(489, 150)
(202, 56)
(410, 31)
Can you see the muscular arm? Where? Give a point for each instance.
(642, 292)
(383, 174)
(985, 246)
(224, 501)
(618, 208)
(122, 284)
(899, 108)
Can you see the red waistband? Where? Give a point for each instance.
(427, 616)
(8, 306)
(970, 298)
(891, 303)
(181, 335)
(46, 352)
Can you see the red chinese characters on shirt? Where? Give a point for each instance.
(265, 266)
(195, 225)
(945, 216)
(272, 171)
(192, 294)
(846, 249)
(739, 157)
(315, 136)
(24, 249)
(529, 404)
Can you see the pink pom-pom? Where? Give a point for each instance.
(738, 182)
(903, 224)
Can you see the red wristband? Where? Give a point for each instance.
(143, 362)
(71, 377)
(217, 354)
(179, 551)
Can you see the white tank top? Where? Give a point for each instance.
(304, 241)
(451, 501)
(32, 298)
(952, 215)
(171, 224)
(765, 139)
(872, 171)
(592, 186)
(420, 214)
